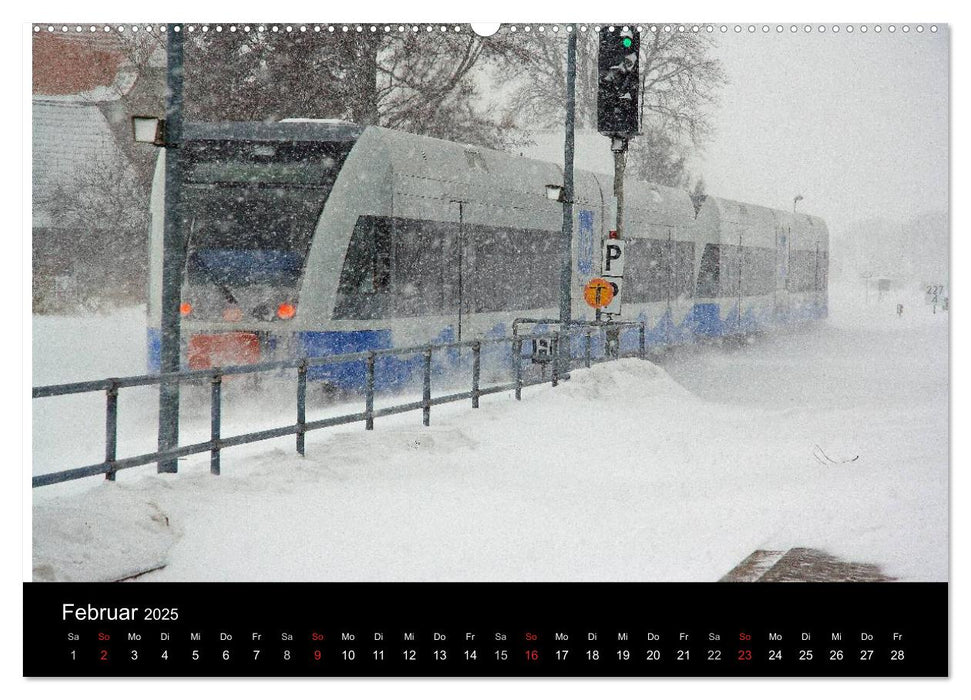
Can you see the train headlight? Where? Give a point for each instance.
(185, 308)
(286, 311)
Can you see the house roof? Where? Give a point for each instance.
(66, 138)
(63, 66)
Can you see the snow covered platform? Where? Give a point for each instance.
(630, 471)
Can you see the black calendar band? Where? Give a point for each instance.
(486, 629)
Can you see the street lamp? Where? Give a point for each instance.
(556, 193)
(148, 130)
(795, 202)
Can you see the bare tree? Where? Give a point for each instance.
(422, 82)
(679, 80)
(104, 207)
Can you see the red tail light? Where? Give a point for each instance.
(286, 311)
(185, 308)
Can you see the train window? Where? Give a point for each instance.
(658, 270)
(730, 270)
(364, 289)
(802, 270)
(647, 270)
(251, 209)
(709, 275)
(413, 267)
(301, 164)
(514, 269)
(257, 237)
(419, 251)
(758, 273)
(367, 265)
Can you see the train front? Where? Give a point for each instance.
(252, 198)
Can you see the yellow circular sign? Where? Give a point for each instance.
(598, 293)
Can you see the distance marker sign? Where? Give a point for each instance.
(598, 292)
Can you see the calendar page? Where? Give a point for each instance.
(527, 349)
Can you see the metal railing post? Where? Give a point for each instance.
(643, 330)
(111, 428)
(555, 370)
(426, 391)
(369, 393)
(586, 355)
(214, 423)
(517, 352)
(476, 366)
(301, 405)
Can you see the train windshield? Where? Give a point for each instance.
(251, 209)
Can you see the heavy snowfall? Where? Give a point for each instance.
(832, 436)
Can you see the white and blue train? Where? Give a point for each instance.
(313, 238)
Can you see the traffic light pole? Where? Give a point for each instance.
(618, 111)
(566, 266)
(172, 256)
(618, 144)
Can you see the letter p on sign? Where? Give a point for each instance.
(613, 262)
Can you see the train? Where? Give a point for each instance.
(307, 238)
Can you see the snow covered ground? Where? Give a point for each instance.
(833, 437)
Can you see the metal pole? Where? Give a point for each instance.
(426, 395)
(111, 428)
(566, 266)
(461, 247)
(214, 422)
(301, 405)
(476, 364)
(555, 372)
(369, 393)
(619, 147)
(517, 353)
(172, 256)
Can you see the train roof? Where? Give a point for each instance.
(504, 179)
(649, 204)
(724, 214)
(458, 161)
(515, 177)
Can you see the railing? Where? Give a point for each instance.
(216, 443)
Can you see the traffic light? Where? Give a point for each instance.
(618, 108)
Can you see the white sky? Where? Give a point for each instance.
(856, 123)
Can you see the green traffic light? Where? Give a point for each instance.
(627, 42)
